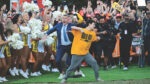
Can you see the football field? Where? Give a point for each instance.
(134, 75)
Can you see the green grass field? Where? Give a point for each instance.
(110, 76)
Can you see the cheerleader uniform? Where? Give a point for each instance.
(46, 28)
(26, 38)
(7, 51)
(2, 48)
(5, 48)
(37, 46)
(19, 30)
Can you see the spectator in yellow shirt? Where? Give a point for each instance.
(80, 49)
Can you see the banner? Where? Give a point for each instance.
(14, 5)
(141, 3)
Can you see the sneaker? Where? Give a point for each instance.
(63, 81)
(99, 80)
(105, 67)
(76, 73)
(48, 68)
(23, 74)
(27, 72)
(79, 73)
(12, 73)
(55, 70)
(113, 67)
(125, 68)
(1, 81)
(4, 79)
(44, 67)
(38, 73)
(16, 71)
(61, 76)
(34, 74)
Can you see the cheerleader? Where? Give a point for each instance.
(48, 24)
(27, 46)
(16, 55)
(8, 49)
(46, 66)
(35, 55)
(38, 54)
(3, 64)
(53, 46)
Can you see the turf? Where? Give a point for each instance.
(134, 73)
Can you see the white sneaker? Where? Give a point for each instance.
(80, 72)
(55, 70)
(23, 74)
(48, 68)
(1, 81)
(99, 80)
(12, 73)
(38, 73)
(34, 74)
(61, 76)
(125, 68)
(27, 72)
(63, 81)
(76, 73)
(4, 79)
(44, 67)
(113, 67)
(16, 71)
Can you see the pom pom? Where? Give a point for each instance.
(56, 14)
(40, 34)
(49, 41)
(30, 7)
(14, 37)
(53, 34)
(47, 3)
(27, 7)
(35, 24)
(25, 30)
(15, 43)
